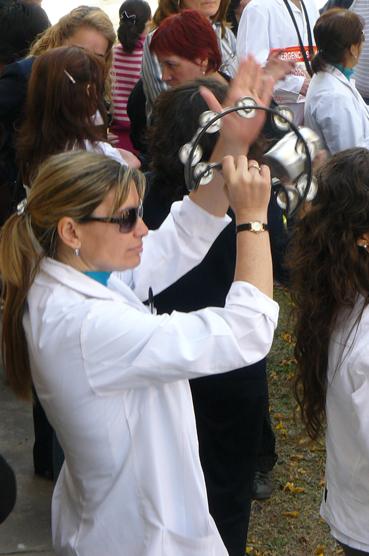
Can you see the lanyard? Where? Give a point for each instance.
(310, 37)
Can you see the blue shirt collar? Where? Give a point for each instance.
(347, 72)
(99, 275)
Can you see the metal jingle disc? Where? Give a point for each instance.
(206, 117)
(283, 119)
(249, 111)
(205, 171)
(293, 198)
(300, 148)
(302, 184)
(185, 151)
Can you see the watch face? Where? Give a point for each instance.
(256, 226)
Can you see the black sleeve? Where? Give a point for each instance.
(136, 110)
(13, 92)
(8, 489)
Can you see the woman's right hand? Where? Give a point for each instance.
(248, 188)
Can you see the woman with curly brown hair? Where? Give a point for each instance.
(330, 285)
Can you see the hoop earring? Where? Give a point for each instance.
(76, 251)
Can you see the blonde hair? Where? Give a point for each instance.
(68, 25)
(69, 184)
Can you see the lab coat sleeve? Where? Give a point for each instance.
(179, 245)
(253, 33)
(112, 152)
(340, 125)
(124, 348)
(360, 396)
(253, 38)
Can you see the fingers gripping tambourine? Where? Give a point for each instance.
(290, 160)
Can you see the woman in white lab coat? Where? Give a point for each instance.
(334, 108)
(330, 285)
(111, 375)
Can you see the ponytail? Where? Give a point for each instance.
(318, 63)
(133, 16)
(20, 256)
(67, 184)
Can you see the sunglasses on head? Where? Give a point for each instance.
(126, 220)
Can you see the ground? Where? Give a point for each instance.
(288, 524)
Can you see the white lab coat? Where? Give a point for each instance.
(346, 507)
(335, 109)
(105, 148)
(112, 378)
(266, 25)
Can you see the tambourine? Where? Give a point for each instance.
(290, 159)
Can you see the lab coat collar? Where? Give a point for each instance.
(348, 83)
(293, 6)
(340, 76)
(76, 280)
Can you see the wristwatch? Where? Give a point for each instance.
(256, 227)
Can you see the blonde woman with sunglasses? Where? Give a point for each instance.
(77, 262)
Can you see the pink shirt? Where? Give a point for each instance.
(126, 71)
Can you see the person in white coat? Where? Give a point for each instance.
(330, 285)
(266, 27)
(334, 108)
(77, 261)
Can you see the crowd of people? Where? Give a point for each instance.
(145, 352)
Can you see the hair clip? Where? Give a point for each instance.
(70, 77)
(129, 18)
(21, 207)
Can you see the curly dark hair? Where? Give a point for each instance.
(175, 121)
(328, 271)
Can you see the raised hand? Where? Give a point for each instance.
(237, 133)
(276, 67)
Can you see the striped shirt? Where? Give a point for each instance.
(361, 71)
(151, 72)
(126, 70)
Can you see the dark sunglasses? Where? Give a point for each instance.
(126, 221)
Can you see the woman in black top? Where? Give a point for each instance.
(229, 408)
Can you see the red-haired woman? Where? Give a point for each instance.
(215, 11)
(186, 48)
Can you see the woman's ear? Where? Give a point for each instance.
(203, 64)
(355, 50)
(363, 240)
(69, 233)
